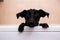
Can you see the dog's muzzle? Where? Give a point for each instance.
(31, 24)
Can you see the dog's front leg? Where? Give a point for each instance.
(21, 27)
(44, 25)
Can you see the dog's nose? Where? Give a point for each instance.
(31, 22)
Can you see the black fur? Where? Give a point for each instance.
(32, 17)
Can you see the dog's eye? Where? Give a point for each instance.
(27, 16)
(36, 15)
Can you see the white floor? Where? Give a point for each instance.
(10, 32)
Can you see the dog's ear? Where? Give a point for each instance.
(43, 13)
(21, 14)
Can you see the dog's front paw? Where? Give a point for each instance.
(44, 25)
(21, 28)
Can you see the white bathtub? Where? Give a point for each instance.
(10, 32)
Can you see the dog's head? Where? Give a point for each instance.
(32, 16)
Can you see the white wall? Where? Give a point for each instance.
(9, 9)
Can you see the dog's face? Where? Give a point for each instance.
(32, 16)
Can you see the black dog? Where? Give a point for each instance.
(32, 17)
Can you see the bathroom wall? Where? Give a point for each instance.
(9, 9)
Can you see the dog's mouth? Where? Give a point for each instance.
(31, 24)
